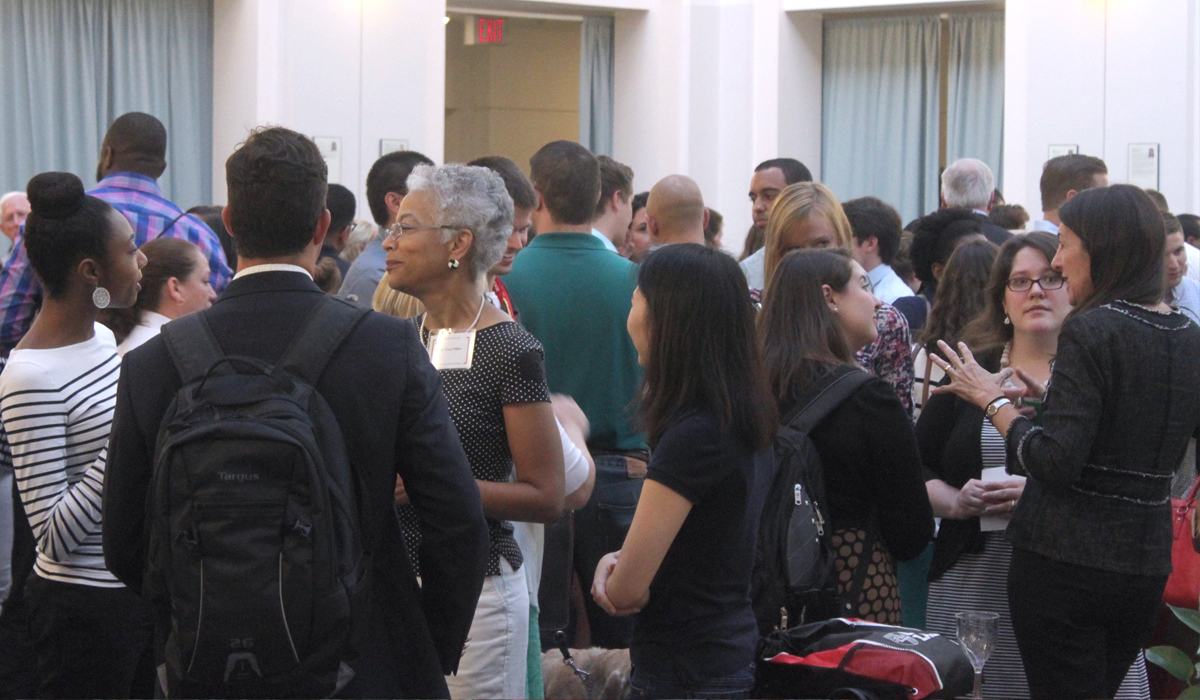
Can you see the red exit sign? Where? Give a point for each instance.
(489, 31)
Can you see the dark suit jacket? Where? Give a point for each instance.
(389, 403)
(992, 232)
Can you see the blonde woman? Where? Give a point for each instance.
(395, 303)
(808, 216)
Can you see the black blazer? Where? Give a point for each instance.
(389, 403)
(873, 469)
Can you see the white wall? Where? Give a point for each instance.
(360, 70)
(708, 88)
(1102, 75)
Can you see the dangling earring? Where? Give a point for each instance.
(1007, 321)
(101, 298)
(453, 264)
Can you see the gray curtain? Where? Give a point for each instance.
(69, 67)
(596, 85)
(975, 118)
(879, 120)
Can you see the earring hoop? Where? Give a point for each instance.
(101, 298)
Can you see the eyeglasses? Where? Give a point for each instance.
(1046, 282)
(395, 231)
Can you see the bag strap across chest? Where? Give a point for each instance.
(196, 353)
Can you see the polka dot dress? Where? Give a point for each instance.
(507, 368)
(879, 598)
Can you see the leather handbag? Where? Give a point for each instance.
(1183, 586)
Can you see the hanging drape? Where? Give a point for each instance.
(69, 67)
(880, 111)
(975, 120)
(596, 85)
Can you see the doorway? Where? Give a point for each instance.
(513, 92)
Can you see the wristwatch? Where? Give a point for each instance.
(994, 407)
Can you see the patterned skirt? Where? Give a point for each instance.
(878, 598)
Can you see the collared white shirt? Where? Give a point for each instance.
(752, 267)
(888, 286)
(1185, 296)
(150, 326)
(272, 267)
(604, 239)
(1043, 225)
(1193, 262)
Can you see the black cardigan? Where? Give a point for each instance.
(873, 469)
(948, 434)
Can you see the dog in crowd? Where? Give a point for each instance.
(608, 677)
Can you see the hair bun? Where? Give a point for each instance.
(55, 195)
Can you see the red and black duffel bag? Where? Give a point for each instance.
(854, 658)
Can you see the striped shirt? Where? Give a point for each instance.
(149, 213)
(56, 408)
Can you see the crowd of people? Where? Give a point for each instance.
(268, 450)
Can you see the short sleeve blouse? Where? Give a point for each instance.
(507, 368)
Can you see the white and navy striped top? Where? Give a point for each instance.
(56, 407)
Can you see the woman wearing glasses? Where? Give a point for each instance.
(1091, 532)
(1025, 302)
(452, 227)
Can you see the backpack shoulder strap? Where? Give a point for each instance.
(192, 346)
(326, 329)
(808, 413)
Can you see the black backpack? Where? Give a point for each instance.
(256, 565)
(794, 580)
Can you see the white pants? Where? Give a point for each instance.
(493, 663)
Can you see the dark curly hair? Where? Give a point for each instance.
(65, 225)
(934, 238)
(277, 184)
(961, 294)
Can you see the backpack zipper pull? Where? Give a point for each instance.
(820, 522)
(799, 499)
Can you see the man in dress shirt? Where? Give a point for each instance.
(132, 159)
(1182, 291)
(386, 187)
(876, 227)
(1193, 253)
(675, 212)
(1064, 177)
(770, 178)
(968, 183)
(615, 209)
(14, 208)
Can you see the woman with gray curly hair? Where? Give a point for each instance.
(452, 227)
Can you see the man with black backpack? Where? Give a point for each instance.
(253, 460)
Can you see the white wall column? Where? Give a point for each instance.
(356, 70)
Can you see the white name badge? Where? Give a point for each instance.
(452, 350)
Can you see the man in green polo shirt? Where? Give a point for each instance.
(574, 296)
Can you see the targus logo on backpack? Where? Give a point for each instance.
(239, 478)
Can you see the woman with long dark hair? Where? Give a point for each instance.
(90, 634)
(1091, 533)
(685, 565)
(961, 298)
(818, 312)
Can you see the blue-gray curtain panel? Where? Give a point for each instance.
(596, 85)
(69, 67)
(975, 114)
(879, 119)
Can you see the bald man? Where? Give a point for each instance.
(675, 212)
